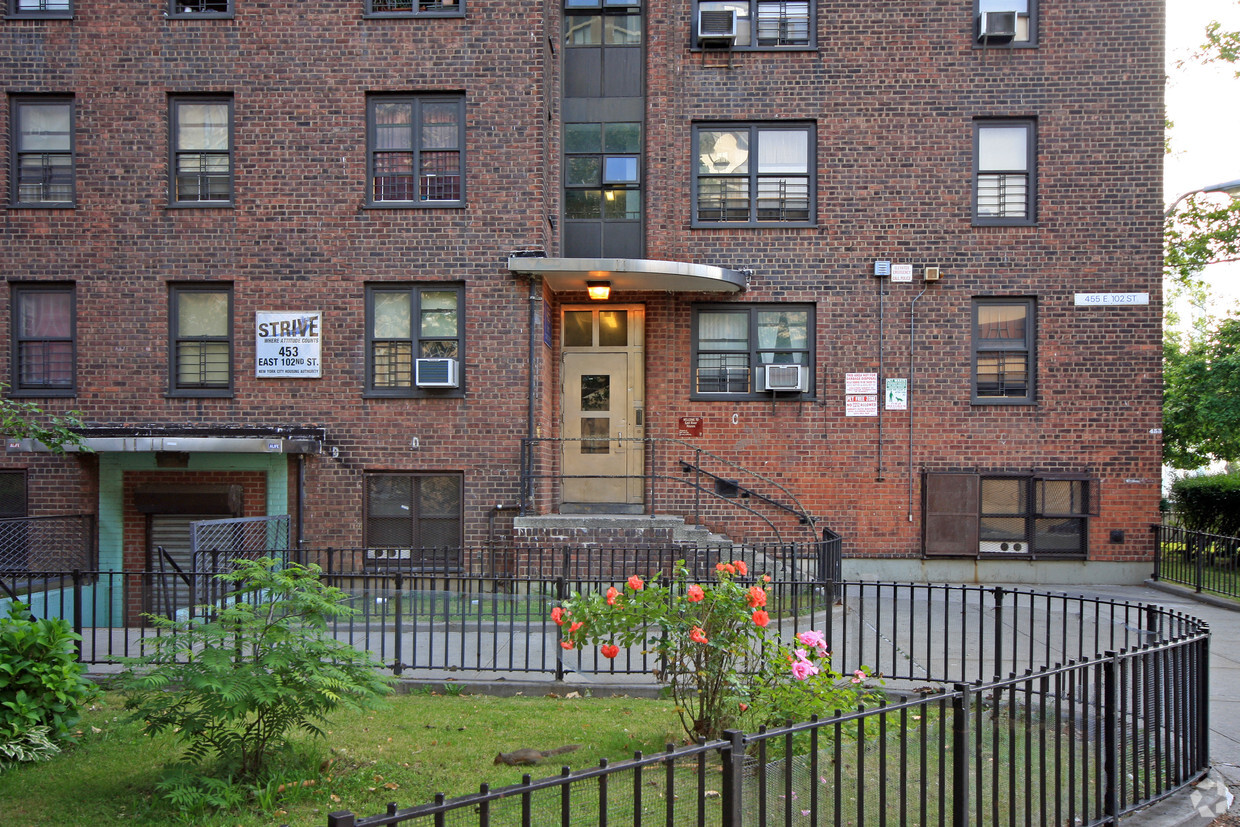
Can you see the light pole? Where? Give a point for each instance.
(1232, 188)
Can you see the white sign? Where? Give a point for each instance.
(897, 394)
(882, 268)
(288, 345)
(860, 383)
(861, 405)
(901, 272)
(1111, 299)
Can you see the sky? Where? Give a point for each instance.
(1203, 102)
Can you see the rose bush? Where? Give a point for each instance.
(715, 655)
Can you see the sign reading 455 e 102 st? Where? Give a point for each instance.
(288, 345)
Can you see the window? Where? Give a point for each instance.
(602, 190)
(42, 163)
(413, 520)
(1043, 515)
(734, 343)
(40, 8)
(414, 8)
(43, 340)
(753, 174)
(200, 321)
(201, 143)
(1006, 23)
(766, 24)
(406, 323)
(1003, 175)
(416, 150)
(1003, 351)
(200, 8)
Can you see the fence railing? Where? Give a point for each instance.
(1011, 707)
(58, 543)
(1206, 562)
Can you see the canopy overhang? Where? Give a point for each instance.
(625, 274)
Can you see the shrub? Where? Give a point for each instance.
(715, 654)
(1210, 503)
(234, 685)
(42, 687)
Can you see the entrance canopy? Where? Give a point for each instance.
(273, 440)
(571, 274)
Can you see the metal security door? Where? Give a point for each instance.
(603, 411)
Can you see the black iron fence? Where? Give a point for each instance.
(1011, 707)
(1206, 562)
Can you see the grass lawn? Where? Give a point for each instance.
(413, 747)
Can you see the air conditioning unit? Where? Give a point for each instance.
(1003, 547)
(716, 27)
(436, 373)
(785, 378)
(387, 554)
(996, 25)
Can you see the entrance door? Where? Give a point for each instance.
(603, 409)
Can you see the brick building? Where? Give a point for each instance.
(890, 270)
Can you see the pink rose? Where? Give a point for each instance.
(803, 669)
(695, 593)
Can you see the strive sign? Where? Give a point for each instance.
(288, 345)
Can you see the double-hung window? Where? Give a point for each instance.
(200, 8)
(40, 8)
(416, 154)
(743, 351)
(753, 174)
(1004, 184)
(1003, 351)
(759, 24)
(200, 324)
(44, 351)
(1006, 23)
(413, 520)
(414, 339)
(202, 151)
(42, 147)
(415, 8)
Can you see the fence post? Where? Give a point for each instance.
(561, 592)
(341, 818)
(1202, 698)
(1199, 542)
(1158, 547)
(398, 666)
(1110, 735)
(999, 593)
(733, 758)
(960, 755)
(77, 613)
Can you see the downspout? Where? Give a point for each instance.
(301, 496)
(881, 379)
(912, 404)
(530, 429)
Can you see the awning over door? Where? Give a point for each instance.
(571, 274)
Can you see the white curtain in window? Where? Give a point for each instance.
(1002, 149)
(45, 127)
(46, 315)
(723, 331)
(783, 150)
(202, 126)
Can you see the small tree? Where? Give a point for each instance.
(1201, 397)
(235, 685)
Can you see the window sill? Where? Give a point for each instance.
(740, 225)
(1003, 403)
(200, 394)
(414, 205)
(228, 16)
(811, 47)
(753, 397)
(446, 393)
(44, 205)
(42, 393)
(201, 205)
(405, 15)
(39, 16)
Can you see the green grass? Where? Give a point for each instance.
(414, 747)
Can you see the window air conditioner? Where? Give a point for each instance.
(785, 378)
(996, 25)
(437, 373)
(716, 27)
(387, 554)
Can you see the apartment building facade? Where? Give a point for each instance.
(421, 273)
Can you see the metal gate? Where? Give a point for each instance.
(216, 544)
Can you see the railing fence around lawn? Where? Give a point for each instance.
(1009, 706)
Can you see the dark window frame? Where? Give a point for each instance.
(441, 557)
(18, 387)
(1027, 346)
(14, 10)
(1029, 172)
(175, 152)
(415, 149)
(16, 104)
(418, 8)
(752, 177)
(22, 475)
(414, 291)
(755, 351)
(1031, 43)
(1033, 486)
(178, 11)
(176, 340)
(754, 8)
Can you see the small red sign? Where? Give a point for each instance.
(690, 426)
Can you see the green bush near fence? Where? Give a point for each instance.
(1210, 504)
